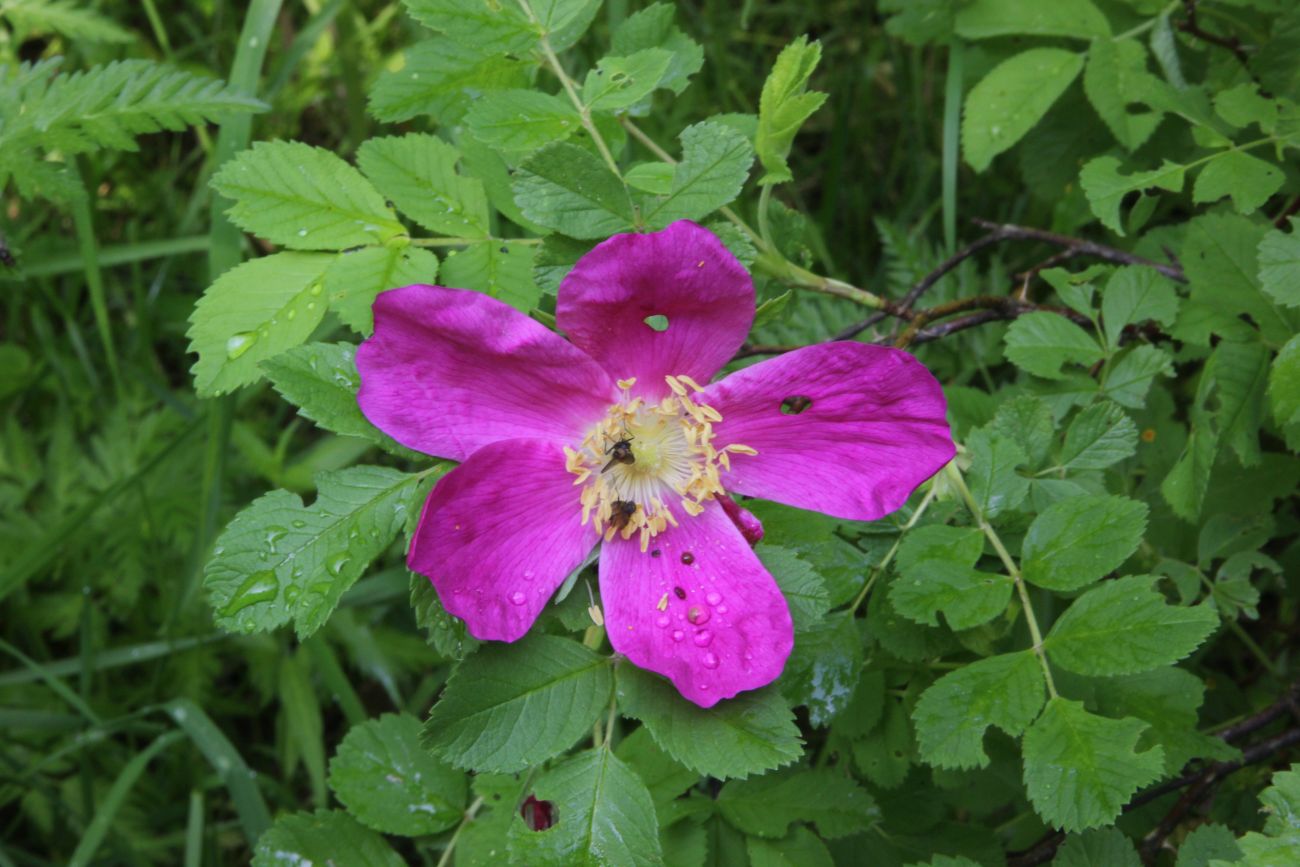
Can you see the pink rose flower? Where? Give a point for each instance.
(617, 437)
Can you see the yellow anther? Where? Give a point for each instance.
(692, 507)
(663, 603)
(681, 377)
(740, 449)
(675, 385)
(626, 384)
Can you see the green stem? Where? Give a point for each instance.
(1150, 23)
(451, 844)
(465, 242)
(764, 202)
(879, 568)
(1013, 571)
(83, 220)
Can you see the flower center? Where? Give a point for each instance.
(642, 461)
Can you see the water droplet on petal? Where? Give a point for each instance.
(709, 660)
(703, 638)
(713, 598)
(697, 615)
(663, 620)
(517, 598)
(678, 635)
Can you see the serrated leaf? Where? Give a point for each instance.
(1074, 19)
(1284, 390)
(417, 173)
(511, 706)
(966, 596)
(664, 778)
(886, 754)
(994, 482)
(1125, 627)
(802, 587)
(1248, 180)
(304, 198)
(518, 122)
(1075, 542)
(799, 848)
(321, 380)
(655, 178)
(555, 257)
(953, 714)
(748, 734)
(567, 188)
(1042, 342)
(1029, 422)
(279, 561)
(1279, 842)
(1100, 436)
(1112, 80)
(1012, 99)
(824, 668)
(619, 82)
(1206, 844)
(1105, 186)
(441, 78)
(1081, 769)
(389, 781)
(653, 27)
(1279, 265)
(357, 277)
(1129, 379)
(766, 806)
(445, 633)
(1243, 105)
(1135, 294)
(1106, 847)
(322, 837)
(501, 269)
(1185, 486)
(65, 17)
(604, 816)
(715, 162)
(1220, 257)
(1239, 372)
(253, 312)
(784, 105)
(491, 28)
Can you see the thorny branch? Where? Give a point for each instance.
(1192, 28)
(922, 325)
(1199, 783)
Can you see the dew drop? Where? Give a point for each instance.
(517, 598)
(261, 586)
(678, 635)
(663, 620)
(315, 289)
(703, 638)
(688, 558)
(336, 563)
(710, 661)
(698, 615)
(302, 233)
(299, 524)
(291, 593)
(239, 344)
(713, 598)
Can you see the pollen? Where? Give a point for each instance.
(673, 470)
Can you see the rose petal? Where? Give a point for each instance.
(697, 607)
(746, 521)
(449, 371)
(499, 534)
(683, 273)
(874, 430)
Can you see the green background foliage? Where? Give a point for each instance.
(1073, 645)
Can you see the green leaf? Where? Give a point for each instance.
(1249, 180)
(1081, 769)
(1106, 187)
(1129, 379)
(1029, 422)
(445, 633)
(322, 837)
(1279, 265)
(824, 668)
(1279, 842)
(278, 560)
(653, 27)
(656, 178)
(304, 198)
(389, 781)
(491, 28)
(784, 105)
(568, 189)
(664, 778)
(994, 482)
(715, 163)
(1185, 486)
(1100, 436)
(749, 734)
(501, 269)
(1107, 847)
(1220, 257)
(1042, 342)
(511, 706)
(800, 848)
(1074, 19)
(1112, 80)
(38, 17)
(886, 754)
(321, 380)
(766, 806)
(1243, 105)
(1206, 844)
(357, 277)
(1239, 372)
(1125, 627)
(1012, 99)
(604, 816)
(802, 587)
(936, 566)
(953, 714)
(1075, 542)
(1284, 390)
(441, 78)
(253, 312)
(619, 82)
(1135, 294)
(518, 122)
(417, 173)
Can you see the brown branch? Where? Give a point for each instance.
(1081, 247)
(1192, 28)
